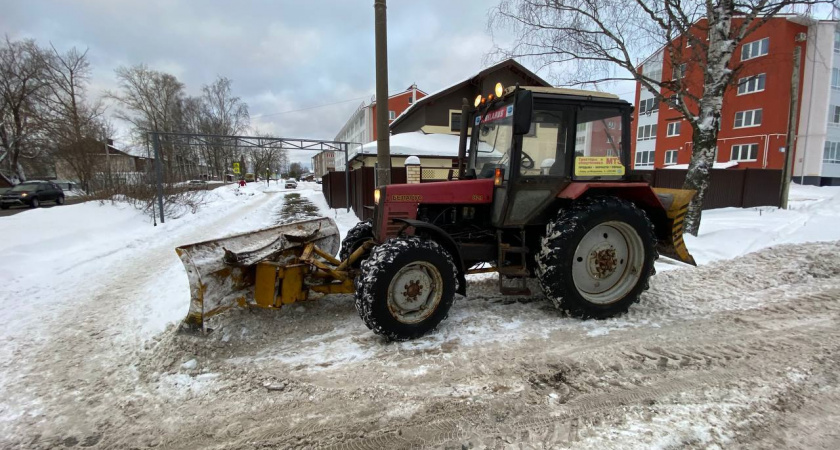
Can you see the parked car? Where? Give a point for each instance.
(32, 194)
(65, 185)
(291, 184)
(197, 184)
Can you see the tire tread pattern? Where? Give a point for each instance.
(570, 222)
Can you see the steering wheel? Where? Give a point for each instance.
(527, 162)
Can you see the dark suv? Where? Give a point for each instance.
(32, 194)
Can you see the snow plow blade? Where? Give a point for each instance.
(223, 272)
(671, 244)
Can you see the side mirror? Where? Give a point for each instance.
(523, 109)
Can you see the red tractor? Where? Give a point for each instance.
(543, 191)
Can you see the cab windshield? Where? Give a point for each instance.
(492, 141)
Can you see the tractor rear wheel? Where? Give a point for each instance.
(597, 257)
(357, 235)
(406, 288)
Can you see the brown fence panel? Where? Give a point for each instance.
(399, 175)
(669, 178)
(739, 188)
(762, 187)
(334, 189)
(726, 189)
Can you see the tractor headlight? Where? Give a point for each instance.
(376, 195)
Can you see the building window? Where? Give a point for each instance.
(648, 106)
(646, 132)
(837, 42)
(410, 100)
(835, 78)
(454, 121)
(831, 154)
(755, 49)
(670, 157)
(655, 72)
(744, 152)
(392, 115)
(644, 158)
(580, 136)
(834, 115)
(674, 129)
(745, 119)
(678, 72)
(751, 84)
(674, 99)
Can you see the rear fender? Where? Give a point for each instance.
(666, 209)
(441, 237)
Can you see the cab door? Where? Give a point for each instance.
(541, 166)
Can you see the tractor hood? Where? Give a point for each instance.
(444, 192)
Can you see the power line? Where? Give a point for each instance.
(310, 107)
(339, 103)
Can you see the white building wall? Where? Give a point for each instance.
(817, 95)
(646, 119)
(832, 130)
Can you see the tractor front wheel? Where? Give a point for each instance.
(597, 257)
(406, 288)
(357, 235)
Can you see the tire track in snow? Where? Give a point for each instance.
(91, 344)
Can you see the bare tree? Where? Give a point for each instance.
(21, 80)
(74, 127)
(223, 114)
(592, 41)
(151, 101)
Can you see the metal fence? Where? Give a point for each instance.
(362, 183)
(728, 187)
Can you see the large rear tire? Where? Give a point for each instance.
(597, 257)
(357, 235)
(406, 288)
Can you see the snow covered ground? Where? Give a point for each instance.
(738, 352)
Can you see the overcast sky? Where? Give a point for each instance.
(282, 55)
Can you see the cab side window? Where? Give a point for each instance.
(544, 147)
(598, 143)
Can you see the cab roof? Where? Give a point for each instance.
(565, 91)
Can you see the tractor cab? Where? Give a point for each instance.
(534, 141)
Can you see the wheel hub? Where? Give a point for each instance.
(602, 261)
(607, 262)
(414, 292)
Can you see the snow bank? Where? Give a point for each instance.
(416, 143)
(730, 232)
(717, 165)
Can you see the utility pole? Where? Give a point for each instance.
(383, 143)
(790, 142)
(108, 164)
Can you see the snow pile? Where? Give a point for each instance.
(730, 232)
(716, 165)
(416, 143)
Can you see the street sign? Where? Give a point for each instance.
(235, 167)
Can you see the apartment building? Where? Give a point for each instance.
(754, 118)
